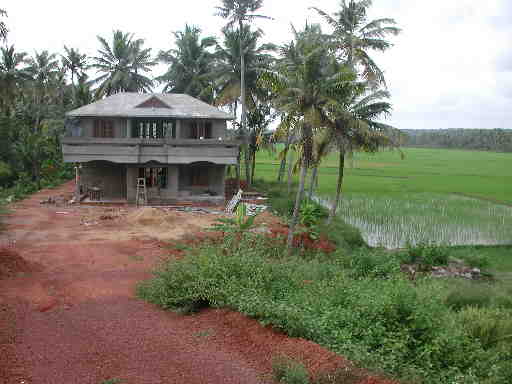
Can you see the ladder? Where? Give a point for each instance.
(141, 198)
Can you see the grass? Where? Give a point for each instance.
(445, 196)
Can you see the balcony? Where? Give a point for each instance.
(139, 151)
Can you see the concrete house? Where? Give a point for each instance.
(177, 143)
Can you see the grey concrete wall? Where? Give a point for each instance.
(111, 178)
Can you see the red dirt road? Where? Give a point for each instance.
(74, 319)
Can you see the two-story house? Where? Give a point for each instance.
(177, 143)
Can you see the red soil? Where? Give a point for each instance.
(74, 318)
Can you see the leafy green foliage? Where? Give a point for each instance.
(342, 234)
(240, 223)
(427, 254)
(311, 213)
(288, 371)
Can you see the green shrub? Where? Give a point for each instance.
(311, 213)
(427, 254)
(288, 371)
(476, 259)
(469, 295)
(489, 326)
(366, 263)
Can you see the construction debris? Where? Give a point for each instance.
(230, 207)
(254, 209)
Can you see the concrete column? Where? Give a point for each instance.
(172, 179)
(131, 183)
(128, 128)
(178, 129)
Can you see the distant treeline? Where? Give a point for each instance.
(499, 140)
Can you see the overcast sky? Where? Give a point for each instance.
(450, 68)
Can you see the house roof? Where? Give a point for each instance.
(130, 104)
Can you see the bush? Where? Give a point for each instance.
(288, 371)
(427, 254)
(311, 213)
(476, 259)
(366, 263)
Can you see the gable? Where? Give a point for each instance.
(153, 102)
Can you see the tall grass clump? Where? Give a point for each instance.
(358, 305)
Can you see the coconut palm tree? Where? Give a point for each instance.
(304, 82)
(189, 64)
(120, 65)
(75, 62)
(3, 28)
(354, 36)
(355, 126)
(12, 76)
(43, 69)
(227, 75)
(238, 12)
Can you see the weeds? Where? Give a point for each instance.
(288, 371)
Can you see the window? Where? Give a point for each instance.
(155, 177)
(200, 129)
(154, 129)
(103, 128)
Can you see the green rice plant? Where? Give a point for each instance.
(395, 220)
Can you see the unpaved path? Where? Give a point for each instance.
(74, 319)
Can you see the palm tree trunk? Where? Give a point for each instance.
(253, 165)
(237, 170)
(244, 113)
(282, 166)
(341, 169)
(298, 201)
(290, 170)
(312, 181)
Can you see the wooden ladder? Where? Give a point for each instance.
(141, 197)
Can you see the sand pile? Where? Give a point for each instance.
(11, 263)
(148, 216)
